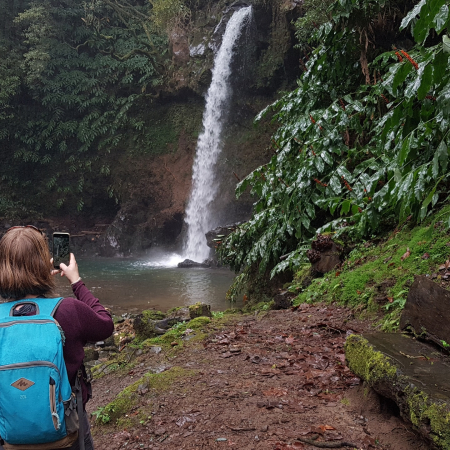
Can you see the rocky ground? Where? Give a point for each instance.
(271, 380)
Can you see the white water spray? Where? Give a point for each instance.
(209, 145)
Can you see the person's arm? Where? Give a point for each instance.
(97, 320)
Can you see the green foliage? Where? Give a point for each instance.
(237, 287)
(101, 416)
(77, 78)
(359, 146)
(380, 275)
(316, 14)
(169, 14)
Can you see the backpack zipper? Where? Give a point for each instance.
(15, 322)
(29, 364)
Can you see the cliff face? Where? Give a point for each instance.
(153, 180)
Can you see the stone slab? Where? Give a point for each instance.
(427, 311)
(415, 375)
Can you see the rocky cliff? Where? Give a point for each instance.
(152, 181)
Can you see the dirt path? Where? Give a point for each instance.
(262, 382)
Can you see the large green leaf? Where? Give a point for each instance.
(401, 74)
(446, 44)
(441, 19)
(426, 82)
(412, 14)
(427, 19)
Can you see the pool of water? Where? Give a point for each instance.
(131, 285)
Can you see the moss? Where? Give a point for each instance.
(261, 306)
(362, 278)
(174, 310)
(150, 314)
(431, 416)
(437, 416)
(232, 311)
(199, 322)
(130, 397)
(366, 362)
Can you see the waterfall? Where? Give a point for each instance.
(209, 145)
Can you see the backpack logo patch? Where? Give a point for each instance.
(23, 384)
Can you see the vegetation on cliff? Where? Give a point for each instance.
(362, 143)
(80, 85)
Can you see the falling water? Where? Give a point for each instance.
(209, 145)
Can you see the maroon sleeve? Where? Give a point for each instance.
(82, 319)
(96, 323)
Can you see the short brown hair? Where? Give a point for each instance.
(25, 267)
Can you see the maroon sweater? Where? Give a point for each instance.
(83, 319)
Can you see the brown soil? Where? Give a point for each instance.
(271, 380)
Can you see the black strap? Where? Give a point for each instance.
(79, 395)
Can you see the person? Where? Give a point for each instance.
(26, 272)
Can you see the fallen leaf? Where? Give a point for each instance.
(425, 256)
(326, 427)
(290, 340)
(406, 254)
(391, 299)
(275, 392)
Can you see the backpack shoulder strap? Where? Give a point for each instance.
(46, 306)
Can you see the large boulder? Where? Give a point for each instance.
(426, 311)
(325, 255)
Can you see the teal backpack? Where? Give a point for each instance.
(37, 407)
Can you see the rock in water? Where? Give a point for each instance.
(189, 264)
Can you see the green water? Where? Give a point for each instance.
(131, 285)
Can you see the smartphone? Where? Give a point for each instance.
(61, 249)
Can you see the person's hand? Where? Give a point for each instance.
(53, 271)
(70, 271)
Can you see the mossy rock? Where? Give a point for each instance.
(144, 324)
(199, 310)
(90, 354)
(199, 322)
(411, 374)
(151, 314)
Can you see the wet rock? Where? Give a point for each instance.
(182, 313)
(168, 322)
(283, 300)
(180, 46)
(90, 354)
(144, 324)
(324, 255)
(426, 311)
(189, 264)
(400, 368)
(215, 237)
(147, 325)
(200, 310)
(110, 342)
